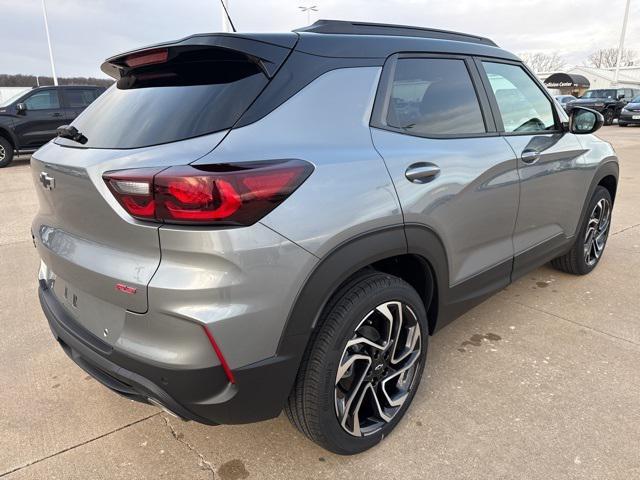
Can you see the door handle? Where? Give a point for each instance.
(422, 172)
(530, 156)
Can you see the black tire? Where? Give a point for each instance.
(312, 405)
(6, 152)
(622, 124)
(575, 261)
(609, 115)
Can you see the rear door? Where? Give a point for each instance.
(552, 184)
(452, 171)
(37, 125)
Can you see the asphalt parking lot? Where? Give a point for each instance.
(541, 381)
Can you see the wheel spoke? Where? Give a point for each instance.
(348, 363)
(357, 396)
(397, 401)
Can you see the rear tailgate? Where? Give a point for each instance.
(84, 236)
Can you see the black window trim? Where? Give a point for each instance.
(560, 128)
(30, 94)
(383, 95)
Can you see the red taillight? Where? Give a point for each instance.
(225, 194)
(150, 57)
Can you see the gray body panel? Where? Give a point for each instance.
(471, 205)
(327, 124)
(552, 190)
(88, 241)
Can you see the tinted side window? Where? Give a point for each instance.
(523, 106)
(45, 100)
(434, 96)
(77, 98)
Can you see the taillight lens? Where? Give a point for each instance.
(222, 194)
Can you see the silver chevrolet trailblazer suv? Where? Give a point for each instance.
(246, 223)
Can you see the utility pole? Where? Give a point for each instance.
(46, 27)
(226, 27)
(621, 47)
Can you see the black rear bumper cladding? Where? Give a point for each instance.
(202, 395)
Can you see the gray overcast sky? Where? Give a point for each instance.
(85, 32)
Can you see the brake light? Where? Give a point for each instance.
(150, 57)
(223, 194)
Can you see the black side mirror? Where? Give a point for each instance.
(584, 120)
(21, 107)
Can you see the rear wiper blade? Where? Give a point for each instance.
(72, 133)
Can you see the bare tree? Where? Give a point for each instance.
(607, 57)
(543, 62)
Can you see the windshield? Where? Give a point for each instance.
(10, 100)
(195, 94)
(599, 94)
(636, 100)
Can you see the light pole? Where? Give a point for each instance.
(226, 27)
(308, 10)
(621, 47)
(46, 27)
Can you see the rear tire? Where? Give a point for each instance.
(346, 378)
(591, 240)
(622, 124)
(609, 116)
(6, 152)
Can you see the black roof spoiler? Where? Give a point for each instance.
(362, 28)
(266, 50)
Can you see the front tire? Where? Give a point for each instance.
(591, 240)
(363, 367)
(6, 152)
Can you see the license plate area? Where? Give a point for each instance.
(102, 319)
(635, 117)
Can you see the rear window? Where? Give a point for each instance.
(196, 92)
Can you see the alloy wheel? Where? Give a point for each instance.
(3, 153)
(378, 368)
(597, 232)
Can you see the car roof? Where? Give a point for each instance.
(344, 39)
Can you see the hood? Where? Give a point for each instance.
(633, 106)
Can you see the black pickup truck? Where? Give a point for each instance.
(608, 101)
(30, 119)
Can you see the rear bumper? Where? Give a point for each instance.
(203, 395)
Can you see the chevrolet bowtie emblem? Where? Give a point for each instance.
(47, 181)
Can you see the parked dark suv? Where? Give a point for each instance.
(30, 119)
(608, 101)
(247, 223)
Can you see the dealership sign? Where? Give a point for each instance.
(564, 80)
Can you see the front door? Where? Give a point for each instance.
(553, 180)
(38, 123)
(452, 171)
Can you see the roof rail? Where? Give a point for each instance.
(363, 28)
